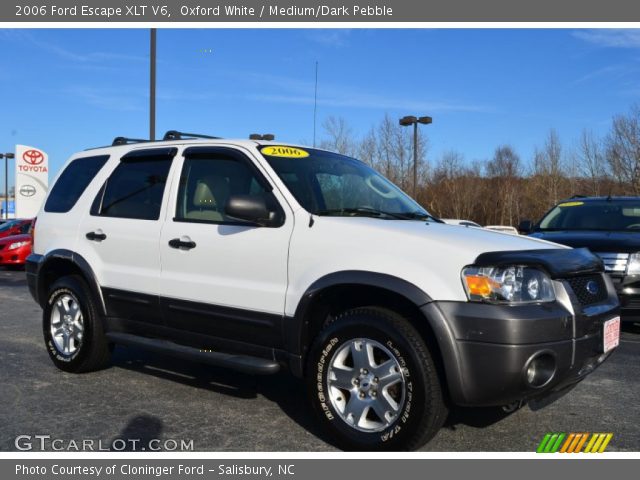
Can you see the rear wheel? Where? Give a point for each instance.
(72, 327)
(373, 382)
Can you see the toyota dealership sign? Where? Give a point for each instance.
(32, 180)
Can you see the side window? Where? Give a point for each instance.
(72, 183)
(134, 189)
(206, 183)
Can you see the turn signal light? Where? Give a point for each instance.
(478, 285)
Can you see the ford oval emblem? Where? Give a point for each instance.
(593, 287)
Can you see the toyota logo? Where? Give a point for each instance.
(33, 157)
(27, 190)
(593, 287)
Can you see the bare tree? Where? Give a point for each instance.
(623, 149)
(503, 169)
(548, 167)
(590, 160)
(339, 136)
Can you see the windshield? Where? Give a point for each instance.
(329, 184)
(594, 215)
(7, 226)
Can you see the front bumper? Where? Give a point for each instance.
(628, 288)
(487, 348)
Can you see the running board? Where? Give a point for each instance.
(242, 363)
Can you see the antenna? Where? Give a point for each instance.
(315, 106)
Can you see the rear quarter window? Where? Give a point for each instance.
(72, 183)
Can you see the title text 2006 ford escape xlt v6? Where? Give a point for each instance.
(256, 256)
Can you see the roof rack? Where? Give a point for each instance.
(176, 135)
(127, 141)
(578, 196)
(265, 136)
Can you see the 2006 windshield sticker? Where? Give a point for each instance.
(287, 152)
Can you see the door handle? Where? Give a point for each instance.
(179, 243)
(96, 236)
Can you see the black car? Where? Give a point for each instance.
(610, 228)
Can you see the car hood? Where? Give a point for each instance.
(430, 255)
(15, 238)
(596, 241)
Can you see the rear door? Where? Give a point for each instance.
(119, 237)
(230, 279)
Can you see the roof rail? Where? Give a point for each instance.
(265, 136)
(126, 141)
(578, 196)
(176, 135)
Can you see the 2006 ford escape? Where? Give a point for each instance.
(258, 256)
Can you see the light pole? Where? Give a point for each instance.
(405, 122)
(152, 85)
(7, 157)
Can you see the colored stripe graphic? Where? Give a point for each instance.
(574, 442)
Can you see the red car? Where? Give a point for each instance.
(15, 227)
(14, 250)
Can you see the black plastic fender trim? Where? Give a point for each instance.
(295, 329)
(78, 261)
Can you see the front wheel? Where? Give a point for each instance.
(373, 382)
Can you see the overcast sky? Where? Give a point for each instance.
(66, 90)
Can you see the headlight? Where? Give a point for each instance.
(633, 267)
(15, 245)
(510, 284)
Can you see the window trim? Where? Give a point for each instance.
(207, 152)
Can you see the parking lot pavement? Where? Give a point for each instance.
(148, 396)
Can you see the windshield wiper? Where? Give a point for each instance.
(417, 216)
(359, 211)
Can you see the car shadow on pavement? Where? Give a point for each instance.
(282, 388)
(474, 417)
(11, 278)
(138, 434)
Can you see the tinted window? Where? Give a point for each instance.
(593, 215)
(135, 189)
(207, 182)
(73, 182)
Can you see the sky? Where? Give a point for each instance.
(64, 90)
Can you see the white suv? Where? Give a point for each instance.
(258, 256)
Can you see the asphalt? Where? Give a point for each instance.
(148, 396)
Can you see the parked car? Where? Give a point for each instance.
(15, 227)
(278, 256)
(610, 228)
(14, 250)
(463, 223)
(502, 228)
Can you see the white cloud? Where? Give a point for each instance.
(109, 99)
(618, 38)
(330, 38)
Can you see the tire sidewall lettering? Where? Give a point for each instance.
(329, 346)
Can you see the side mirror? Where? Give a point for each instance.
(251, 208)
(525, 227)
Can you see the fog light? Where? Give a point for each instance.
(540, 369)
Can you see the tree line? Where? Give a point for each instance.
(505, 188)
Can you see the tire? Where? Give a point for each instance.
(384, 415)
(71, 312)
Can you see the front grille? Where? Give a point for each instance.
(589, 289)
(614, 262)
